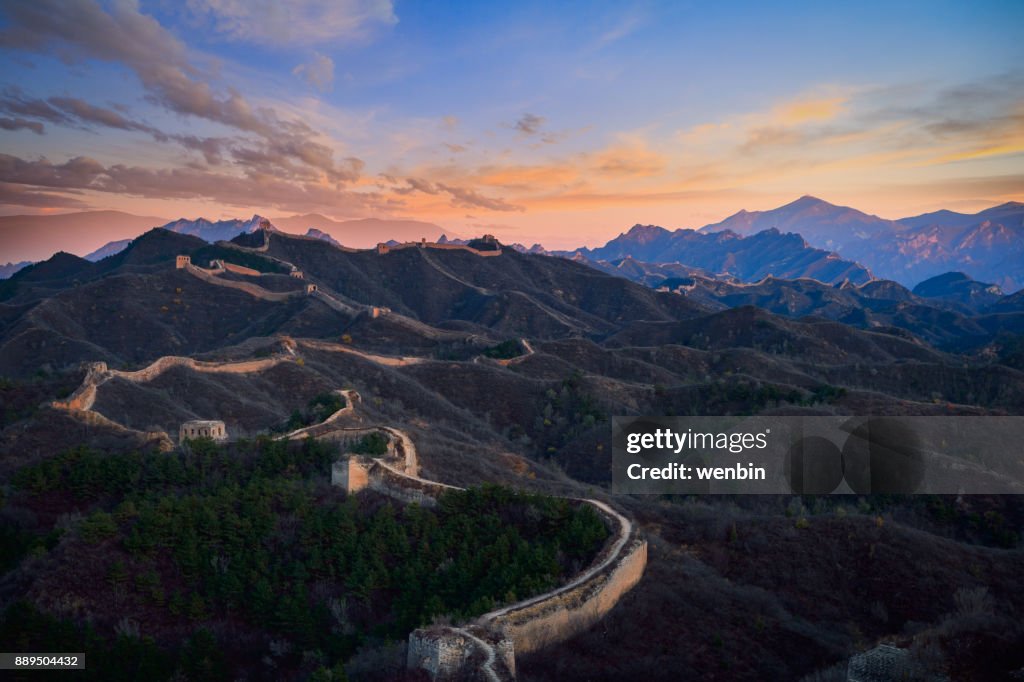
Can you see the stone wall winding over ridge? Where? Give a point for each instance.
(80, 403)
(442, 247)
(554, 617)
(448, 652)
(484, 648)
(248, 287)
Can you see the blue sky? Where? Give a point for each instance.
(556, 122)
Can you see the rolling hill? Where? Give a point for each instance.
(508, 368)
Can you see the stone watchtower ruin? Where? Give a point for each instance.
(182, 262)
(203, 428)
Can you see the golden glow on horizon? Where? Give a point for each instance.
(829, 142)
(674, 115)
(757, 160)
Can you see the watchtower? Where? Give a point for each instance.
(182, 262)
(203, 428)
(351, 473)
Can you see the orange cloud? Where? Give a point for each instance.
(805, 110)
(630, 160)
(523, 177)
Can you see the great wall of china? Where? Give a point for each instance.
(332, 300)
(484, 648)
(98, 373)
(335, 302)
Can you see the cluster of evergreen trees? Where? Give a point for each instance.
(252, 532)
(567, 413)
(510, 348)
(318, 409)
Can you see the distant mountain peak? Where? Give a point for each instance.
(771, 251)
(645, 233)
(221, 230)
(108, 249)
(322, 236)
(960, 287)
(808, 201)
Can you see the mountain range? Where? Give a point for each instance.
(748, 258)
(508, 368)
(988, 245)
(514, 295)
(361, 233)
(97, 234)
(37, 237)
(805, 238)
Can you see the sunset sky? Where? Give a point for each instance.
(557, 122)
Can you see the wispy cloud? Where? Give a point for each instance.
(318, 72)
(83, 29)
(926, 128)
(21, 124)
(276, 159)
(19, 195)
(518, 130)
(622, 27)
(87, 174)
(299, 22)
(529, 124)
(458, 196)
